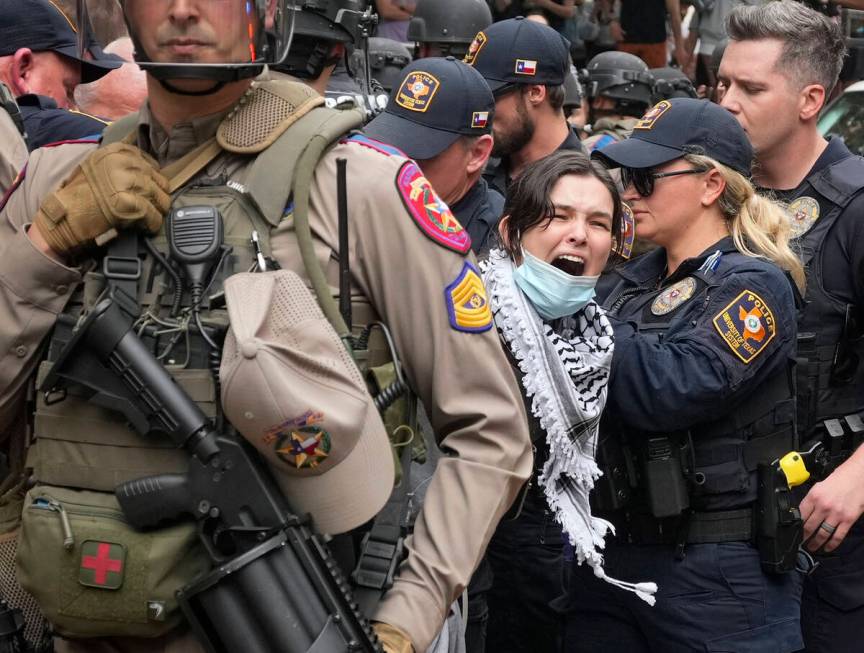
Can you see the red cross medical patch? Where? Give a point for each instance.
(103, 564)
(746, 325)
(429, 211)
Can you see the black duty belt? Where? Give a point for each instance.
(691, 528)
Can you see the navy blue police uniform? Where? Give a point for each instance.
(435, 102)
(827, 210)
(689, 374)
(700, 393)
(479, 212)
(45, 123)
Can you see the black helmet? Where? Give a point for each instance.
(318, 24)
(671, 83)
(387, 58)
(262, 38)
(621, 76)
(572, 90)
(451, 24)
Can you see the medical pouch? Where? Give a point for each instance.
(75, 547)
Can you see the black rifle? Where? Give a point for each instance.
(275, 587)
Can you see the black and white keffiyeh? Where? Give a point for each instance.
(565, 376)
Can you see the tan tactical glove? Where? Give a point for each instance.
(116, 187)
(392, 639)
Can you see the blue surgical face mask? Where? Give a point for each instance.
(553, 292)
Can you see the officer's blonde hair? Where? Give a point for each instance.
(759, 226)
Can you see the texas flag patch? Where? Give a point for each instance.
(480, 119)
(746, 325)
(526, 67)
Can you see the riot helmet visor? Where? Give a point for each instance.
(221, 40)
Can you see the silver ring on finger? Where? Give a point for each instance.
(828, 528)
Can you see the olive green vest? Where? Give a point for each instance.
(82, 445)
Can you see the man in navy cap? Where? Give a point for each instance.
(440, 114)
(525, 64)
(41, 63)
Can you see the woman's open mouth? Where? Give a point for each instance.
(572, 265)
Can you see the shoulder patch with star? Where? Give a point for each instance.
(746, 325)
(467, 302)
(430, 212)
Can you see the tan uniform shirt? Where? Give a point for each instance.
(462, 378)
(13, 152)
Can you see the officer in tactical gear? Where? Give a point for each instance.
(670, 83)
(333, 34)
(796, 69)
(444, 28)
(88, 222)
(619, 88)
(387, 58)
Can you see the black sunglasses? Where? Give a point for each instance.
(643, 178)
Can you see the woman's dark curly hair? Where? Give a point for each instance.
(528, 204)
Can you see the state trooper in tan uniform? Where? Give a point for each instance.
(410, 268)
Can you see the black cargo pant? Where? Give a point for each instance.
(526, 559)
(832, 608)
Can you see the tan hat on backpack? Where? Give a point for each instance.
(292, 390)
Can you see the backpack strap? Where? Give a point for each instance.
(296, 154)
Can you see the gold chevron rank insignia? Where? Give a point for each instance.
(467, 303)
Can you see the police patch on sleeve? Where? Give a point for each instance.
(647, 121)
(675, 295)
(746, 325)
(429, 211)
(803, 213)
(467, 303)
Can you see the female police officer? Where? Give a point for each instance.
(700, 393)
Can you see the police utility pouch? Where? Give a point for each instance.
(76, 547)
(664, 478)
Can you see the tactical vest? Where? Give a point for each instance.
(82, 451)
(82, 445)
(830, 377)
(718, 458)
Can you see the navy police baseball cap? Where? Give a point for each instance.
(519, 51)
(436, 101)
(673, 128)
(41, 25)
